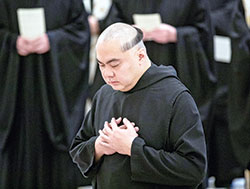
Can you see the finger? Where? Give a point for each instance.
(137, 129)
(128, 123)
(105, 144)
(118, 121)
(35, 41)
(40, 50)
(22, 52)
(103, 136)
(107, 130)
(113, 124)
(123, 127)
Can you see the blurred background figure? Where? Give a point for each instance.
(97, 10)
(239, 85)
(230, 28)
(43, 88)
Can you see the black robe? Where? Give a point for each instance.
(239, 87)
(170, 151)
(42, 97)
(192, 55)
(222, 162)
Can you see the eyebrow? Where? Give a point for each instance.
(108, 62)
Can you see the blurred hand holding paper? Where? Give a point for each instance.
(222, 49)
(31, 22)
(147, 22)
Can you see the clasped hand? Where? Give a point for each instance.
(39, 45)
(114, 138)
(163, 34)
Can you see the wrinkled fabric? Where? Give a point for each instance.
(42, 97)
(170, 150)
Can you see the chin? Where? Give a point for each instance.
(118, 88)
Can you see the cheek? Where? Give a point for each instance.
(125, 77)
(103, 75)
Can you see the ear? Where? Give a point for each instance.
(141, 55)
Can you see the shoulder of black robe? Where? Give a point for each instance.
(175, 144)
(226, 16)
(62, 73)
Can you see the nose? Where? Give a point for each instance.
(107, 72)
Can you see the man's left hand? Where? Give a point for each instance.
(121, 138)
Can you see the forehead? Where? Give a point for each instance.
(108, 48)
(108, 45)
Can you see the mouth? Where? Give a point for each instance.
(113, 82)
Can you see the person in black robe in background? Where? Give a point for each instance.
(155, 138)
(190, 45)
(222, 162)
(239, 87)
(43, 85)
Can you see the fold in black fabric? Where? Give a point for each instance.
(42, 97)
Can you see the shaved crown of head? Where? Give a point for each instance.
(127, 35)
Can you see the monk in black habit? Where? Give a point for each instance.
(183, 40)
(144, 129)
(223, 162)
(43, 85)
(239, 88)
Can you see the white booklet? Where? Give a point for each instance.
(31, 22)
(222, 49)
(147, 22)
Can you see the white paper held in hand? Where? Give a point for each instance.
(31, 22)
(147, 22)
(222, 49)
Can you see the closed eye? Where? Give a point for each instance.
(113, 65)
(101, 65)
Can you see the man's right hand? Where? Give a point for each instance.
(101, 145)
(23, 46)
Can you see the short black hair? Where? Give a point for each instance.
(134, 41)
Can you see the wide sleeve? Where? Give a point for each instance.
(186, 163)
(9, 63)
(75, 32)
(82, 149)
(7, 37)
(194, 68)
